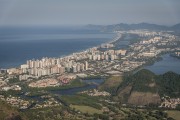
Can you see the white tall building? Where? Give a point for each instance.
(86, 65)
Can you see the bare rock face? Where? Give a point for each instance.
(124, 93)
(144, 98)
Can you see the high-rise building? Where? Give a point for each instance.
(74, 69)
(107, 57)
(78, 68)
(86, 65)
(82, 67)
(112, 57)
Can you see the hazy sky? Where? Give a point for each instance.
(80, 12)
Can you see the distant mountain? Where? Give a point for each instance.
(123, 26)
(144, 87)
(176, 28)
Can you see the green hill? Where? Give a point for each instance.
(9, 113)
(144, 87)
(111, 84)
(144, 81)
(169, 84)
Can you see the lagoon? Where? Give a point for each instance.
(168, 63)
(91, 84)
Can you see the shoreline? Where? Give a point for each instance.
(159, 58)
(111, 41)
(115, 37)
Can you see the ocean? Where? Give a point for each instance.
(17, 45)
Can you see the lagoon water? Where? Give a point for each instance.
(19, 45)
(168, 63)
(91, 84)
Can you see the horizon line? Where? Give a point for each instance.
(82, 25)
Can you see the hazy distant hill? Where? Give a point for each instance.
(176, 28)
(145, 87)
(123, 26)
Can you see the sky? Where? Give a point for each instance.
(82, 12)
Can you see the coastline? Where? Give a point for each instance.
(62, 56)
(117, 37)
(111, 41)
(76, 65)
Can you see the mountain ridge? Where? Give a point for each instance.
(144, 87)
(125, 26)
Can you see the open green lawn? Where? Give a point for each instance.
(174, 114)
(111, 82)
(86, 109)
(82, 100)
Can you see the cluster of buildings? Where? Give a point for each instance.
(95, 92)
(13, 87)
(141, 52)
(108, 45)
(170, 102)
(52, 82)
(141, 33)
(44, 83)
(66, 78)
(176, 54)
(103, 58)
(76, 63)
(16, 102)
(108, 55)
(48, 66)
(24, 104)
(23, 77)
(50, 102)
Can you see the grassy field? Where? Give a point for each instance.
(111, 82)
(114, 80)
(174, 114)
(86, 109)
(82, 100)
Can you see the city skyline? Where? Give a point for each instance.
(79, 12)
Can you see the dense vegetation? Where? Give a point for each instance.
(145, 82)
(9, 113)
(111, 84)
(82, 100)
(142, 81)
(81, 106)
(169, 84)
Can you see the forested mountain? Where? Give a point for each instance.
(144, 87)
